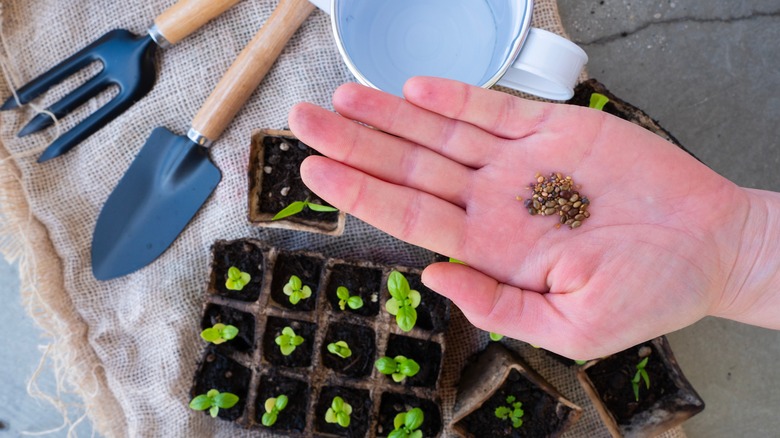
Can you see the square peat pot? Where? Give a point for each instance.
(498, 378)
(275, 182)
(668, 401)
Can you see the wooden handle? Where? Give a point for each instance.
(249, 69)
(187, 16)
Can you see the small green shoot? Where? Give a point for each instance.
(273, 406)
(213, 400)
(403, 301)
(398, 367)
(354, 302)
(512, 412)
(288, 340)
(296, 290)
(340, 349)
(641, 374)
(453, 260)
(407, 424)
(597, 101)
(339, 412)
(580, 362)
(496, 337)
(236, 279)
(219, 333)
(298, 206)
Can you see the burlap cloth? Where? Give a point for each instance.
(129, 347)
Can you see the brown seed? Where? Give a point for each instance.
(532, 212)
(563, 219)
(569, 221)
(575, 224)
(572, 213)
(586, 214)
(549, 204)
(528, 203)
(574, 197)
(561, 201)
(579, 217)
(549, 211)
(540, 179)
(537, 204)
(577, 204)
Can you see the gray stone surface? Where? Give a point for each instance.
(708, 71)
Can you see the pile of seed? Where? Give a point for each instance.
(557, 195)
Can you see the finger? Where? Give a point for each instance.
(498, 113)
(408, 214)
(379, 154)
(448, 137)
(500, 308)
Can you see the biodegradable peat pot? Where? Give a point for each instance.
(275, 182)
(311, 375)
(486, 383)
(669, 401)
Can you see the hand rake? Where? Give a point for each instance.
(128, 63)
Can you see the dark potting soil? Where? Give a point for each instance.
(245, 257)
(393, 404)
(293, 417)
(301, 356)
(433, 313)
(360, 418)
(225, 375)
(361, 281)
(306, 268)
(362, 343)
(540, 415)
(612, 376)
(426, 353)
(244, 322)
(282, 184)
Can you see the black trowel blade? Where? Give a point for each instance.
(165, 186)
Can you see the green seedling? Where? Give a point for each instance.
(398, 367)
(453, 260)
(403, 301)
(219, 333)
(340, 349)
(236, 279)
(496, 337)
(338, 412)
(288, 340)
(298, 206)
(580, 362)
(641, 374)
(296, 290)
(407, 424)
(597, 101)
(512, 411)
(213, 400)
(354, 302)
(273, 406)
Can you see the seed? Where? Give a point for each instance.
(566, 208)
(572, 213)
(549, 211)
(537, 205)
(549, 204)
(532, 212)
(579, 217)
(574, 197)
(569, 221)
(563, 219)
(561, 201)
(575, 224)
(577, 204)
(528, 203)
(540, 179)
(586, 214)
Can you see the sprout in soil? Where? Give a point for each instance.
(496, 337)
(597, 101)
(398, 367)
(338, 412)
(288, 340)
(512, 412)
(298, 206)
(407, 423)
(403, 302)
(219, 333)
(296, 290)
(273, 406)
(214, 401)
(641, 374)
(354, 302)
(340, 349)
(236, 279)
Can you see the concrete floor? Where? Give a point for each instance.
(707, 70)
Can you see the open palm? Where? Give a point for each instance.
(443, 170)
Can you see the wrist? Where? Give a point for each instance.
(752, 290)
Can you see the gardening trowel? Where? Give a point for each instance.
(172, 176)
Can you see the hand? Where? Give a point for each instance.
(443, 170)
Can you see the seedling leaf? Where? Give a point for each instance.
(200, 403)
(294, 208)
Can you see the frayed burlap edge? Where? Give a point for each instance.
(24, 239)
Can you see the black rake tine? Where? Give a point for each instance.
(97, 120)
(53, 76)
(64, 106)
